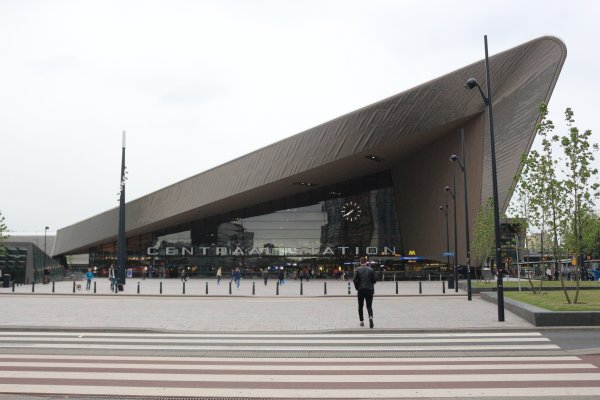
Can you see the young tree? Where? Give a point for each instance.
(581, 190)
(484, 235)
(552, 193)
(544, 192)
(591, 233)
(534, 185)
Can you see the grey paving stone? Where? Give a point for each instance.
(241, 311)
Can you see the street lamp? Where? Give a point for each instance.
(121, 239)
(463, 167)
(452, 193)
(472, 83)
(44, 262)
(445, 211)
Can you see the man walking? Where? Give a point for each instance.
(364, 283)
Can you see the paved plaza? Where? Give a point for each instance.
(241, 311)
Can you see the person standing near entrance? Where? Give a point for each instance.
(89, 276)
(112, 277)
(219, 275)
(364, 283)
(265, 275)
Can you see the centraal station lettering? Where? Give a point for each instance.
(266, 251)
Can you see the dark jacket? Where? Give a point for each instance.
(364, 278)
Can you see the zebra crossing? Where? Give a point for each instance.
(313, 365)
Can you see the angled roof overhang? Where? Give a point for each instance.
(392, 129)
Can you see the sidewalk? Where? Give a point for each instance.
(264, 312)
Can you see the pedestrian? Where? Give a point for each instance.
(265, 275)
(89, 275)
(237, 276)
(281, 276)
(111, 277)
(219, 275)
(364, 283)
(46, 275)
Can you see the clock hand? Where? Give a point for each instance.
(348, 213)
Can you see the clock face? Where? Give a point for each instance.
(351, 211)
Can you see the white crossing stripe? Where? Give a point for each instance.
(280, 360)
(358, 376)
(312, 367)
(499, 341)
(492, 392)
(241, 340)
(271, 335)
(304, 348)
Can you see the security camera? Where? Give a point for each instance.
(471, 83)
(447, 188)
(453, 157)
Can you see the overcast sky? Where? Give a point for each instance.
(198, 83)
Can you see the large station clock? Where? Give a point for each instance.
(351, 211)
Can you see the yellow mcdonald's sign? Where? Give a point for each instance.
(412, 253)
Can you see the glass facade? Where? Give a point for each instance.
(25, 262)
(322, 231)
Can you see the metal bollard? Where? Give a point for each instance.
(94, 286)
(348, 287)
(52, 286)
(325, 288)
(206, 287)
(138, 288)
(429, 277)
(183, 287)
(253, 290)
(277, 290)
(396, 287)
(301, 289)
(33, 286)
(420, 288)
(161, 287)
(229, 287)
(73, 286)
(444, 287)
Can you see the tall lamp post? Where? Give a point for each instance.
(453, 194)
(471, 84)
(44, 258)
(121, 252)
(463, 167)
(445, 211)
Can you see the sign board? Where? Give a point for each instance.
(487, 274)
